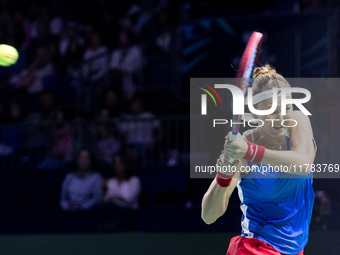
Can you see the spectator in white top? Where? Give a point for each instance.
(126, 64)
(95, 66)
(123, 189)
(139, 126)
(95, 59)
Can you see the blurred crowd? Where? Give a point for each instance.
(95, 60)
(78, 91)
(80, 66)
(80, 60)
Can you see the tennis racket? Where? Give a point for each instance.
(244, 73)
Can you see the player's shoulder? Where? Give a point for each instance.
(303, 124)
(299, 117)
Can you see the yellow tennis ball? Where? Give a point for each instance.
(8, 55)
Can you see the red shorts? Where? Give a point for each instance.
(240, 245)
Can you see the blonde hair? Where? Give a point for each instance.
(266, 78)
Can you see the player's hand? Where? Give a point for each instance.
(222, 160)
(235, 149)
(224, 164)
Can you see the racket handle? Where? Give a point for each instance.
(233, 137)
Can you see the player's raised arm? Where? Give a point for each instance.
(215, 200)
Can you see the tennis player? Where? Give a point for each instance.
(276, 200)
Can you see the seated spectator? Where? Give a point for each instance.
(62, 137)
(107, 144)
(32, 78)
(95, 65)
(41, 37)
(104, 115)
(123, 189)
(46, 106)
(70, 36)
(95, 59)
(71, 51)
(81, 189)
(126, 64)
(36, 139)
(2, 111)
(322, 210)
(142, 131)
(12, 136)
(112, 102)
(84, 133)
(61, 144)
(161, 52)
